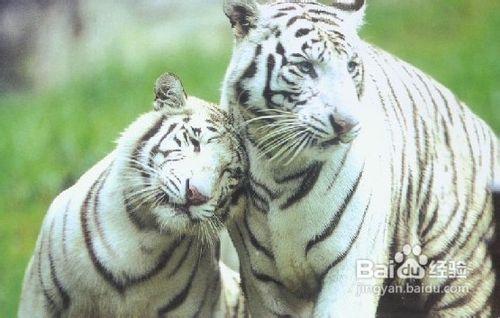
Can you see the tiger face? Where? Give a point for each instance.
(186, 166)
(295, 75)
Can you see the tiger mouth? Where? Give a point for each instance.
(343, 139)
(331, 142)
(183, 209)
(163, 201)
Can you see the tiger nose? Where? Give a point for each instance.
(342, 124)
(194, 196)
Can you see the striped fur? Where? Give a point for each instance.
(128, 241)
(353, 154)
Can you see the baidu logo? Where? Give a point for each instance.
(411, 263)
(413, 266)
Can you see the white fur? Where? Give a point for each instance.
(386, 151)
(126, 250)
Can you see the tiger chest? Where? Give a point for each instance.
(291, 230)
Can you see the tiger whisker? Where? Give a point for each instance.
(300, 147)
(290, 136)
(272, 126)
(268, 117)
(142, 199)
(280, 143)
(281, 132)
(141, 164)
(285, 137)
(286, 149)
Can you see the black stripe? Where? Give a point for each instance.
(271, 194)
(341, 166)
(215, 287)
(104, 272)
(243, 95)
(66, 301)
(324, 12)
(182, 259)
(120, 286)
(141, 143)
(474, 228)
(255, 243)
(446, 104)
(489, 305)
(279, 15)
(160, 265)
(258, 275)
(470, 196)
(293, 20)
(50, 302)
(181, 296)
(322, 54)
(454, 182)
(258, 201)
(178, 141)
(388, 121)
(170, 129)
(464, 300)
(305, 187)
(252, 68)
(266, 278)
(218, 284)
(302, 32)
(294, 176)
(287, 81)
(393, 91)
(354, 6)
(281, 51)
(343, 254)
(432, 221)
(268, 93)
(436, 298)
(330, 23)
(148, 135)
(132, 215)
(401, 120)
(337, 216)
(95, 211)
(429, 94)
(287, 9)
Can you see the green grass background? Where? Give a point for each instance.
(48, 139)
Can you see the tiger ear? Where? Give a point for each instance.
(169, 93)
(353, 10)
(242, 14)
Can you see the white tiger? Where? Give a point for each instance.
(136, 236)
(354, 155)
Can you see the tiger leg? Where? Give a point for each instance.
(340, 295)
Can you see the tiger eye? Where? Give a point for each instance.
(307, 67)
(351, 66)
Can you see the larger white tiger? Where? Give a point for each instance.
(354, 155)
(136, 236)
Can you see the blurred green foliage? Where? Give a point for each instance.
(49, 139)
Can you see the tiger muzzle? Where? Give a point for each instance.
(345, 129)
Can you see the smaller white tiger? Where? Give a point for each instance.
(136, 236)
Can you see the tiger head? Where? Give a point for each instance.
(183, 163)
(295, 76)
